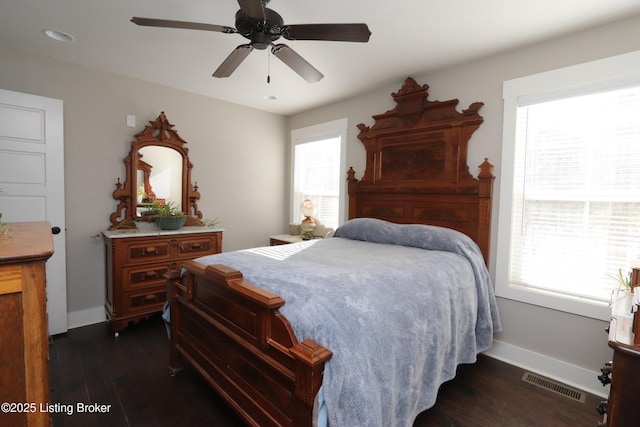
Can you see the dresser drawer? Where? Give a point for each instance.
(148, 300)
(145, 276)
(190, 248)
(146, 251)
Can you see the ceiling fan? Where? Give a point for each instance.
(262, 27)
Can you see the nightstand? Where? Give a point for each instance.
(284, 239)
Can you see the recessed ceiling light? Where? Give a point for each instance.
(270, 97)
(60, 36)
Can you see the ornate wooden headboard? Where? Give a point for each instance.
(416, 167)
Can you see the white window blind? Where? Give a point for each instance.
(576, 206)
(569, 207)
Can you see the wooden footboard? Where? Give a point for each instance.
(233, 334)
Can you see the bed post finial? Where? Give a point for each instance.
(485, 170)
(351, 175)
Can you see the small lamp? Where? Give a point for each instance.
(307, 208)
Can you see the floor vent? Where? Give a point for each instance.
(554, 386)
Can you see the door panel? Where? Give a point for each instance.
(21, 123)
(32, 181)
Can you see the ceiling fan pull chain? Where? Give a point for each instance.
(269, 67)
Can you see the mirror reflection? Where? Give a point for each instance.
(158, 177)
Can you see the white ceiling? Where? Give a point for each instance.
(408, 37)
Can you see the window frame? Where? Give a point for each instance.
(332, 129)
(607, 73)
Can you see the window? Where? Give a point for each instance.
(319, 172)
(571, 186)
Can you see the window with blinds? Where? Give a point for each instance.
(317, 177)
(576, 206)
(318, 171)
(569, 211)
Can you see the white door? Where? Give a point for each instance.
(32, 181)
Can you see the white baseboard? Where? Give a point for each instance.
(89, 316)
(571, 375)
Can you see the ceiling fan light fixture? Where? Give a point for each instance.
(263, 27)
(60, 36)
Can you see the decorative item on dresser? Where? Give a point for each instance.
(622, 409)
(141, 245)
(24, 369)
(230, 322)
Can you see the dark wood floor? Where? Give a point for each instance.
(129, 373)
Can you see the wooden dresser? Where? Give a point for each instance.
(623, 406)
(24, 369)
(622, 409)
(137, 261)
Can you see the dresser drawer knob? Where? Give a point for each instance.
(151, 297)
(152, 274)
(150, 250)
(604, 379)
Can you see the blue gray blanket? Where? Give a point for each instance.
(400, 306)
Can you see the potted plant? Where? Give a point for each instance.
(622, 297)
(167, 216)
(624, 281)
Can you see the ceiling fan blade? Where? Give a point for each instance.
(234, 59)
(331, 32)
(296, 62)
(151, 22)
(252, 8)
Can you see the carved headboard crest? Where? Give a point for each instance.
(422, 140)
(410, 99)
(416, 166)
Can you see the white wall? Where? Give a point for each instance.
(577, 343)
(240, 169)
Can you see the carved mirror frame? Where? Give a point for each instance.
(159, 133)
